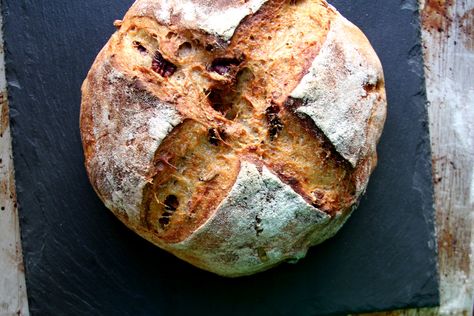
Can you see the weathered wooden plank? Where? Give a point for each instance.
(448, 35)
(13, 299)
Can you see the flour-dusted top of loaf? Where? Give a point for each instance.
(339, 91)
(233, 134)
(216, 17)
(261, 222)
(124, 116)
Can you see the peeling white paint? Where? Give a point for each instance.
(13, 299)
(457, 294)
(449, 73)
(471, 195)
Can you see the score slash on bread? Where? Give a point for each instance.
(233, 134)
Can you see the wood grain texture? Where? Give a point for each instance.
(449, 60)
(13, 299)
(449, 65)
(448, 43)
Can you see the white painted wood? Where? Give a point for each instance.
(448, 36)
(13, 299)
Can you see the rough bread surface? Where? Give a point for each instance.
(233, 134)
(194, 14)
(261, 222)
(335, 90)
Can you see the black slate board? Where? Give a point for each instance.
(81, 261)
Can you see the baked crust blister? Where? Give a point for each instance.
(234, 135)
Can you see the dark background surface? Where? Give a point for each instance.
(80, 260)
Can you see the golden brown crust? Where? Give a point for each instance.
(172, 107)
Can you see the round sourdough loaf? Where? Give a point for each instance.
(233, 134)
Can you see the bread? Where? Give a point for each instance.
(233, 134)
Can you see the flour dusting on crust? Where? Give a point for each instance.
(121, 168)
(189, 141)
(220, 22)
(335, 90)
(260, 223)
